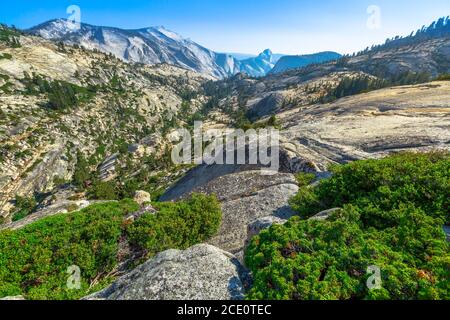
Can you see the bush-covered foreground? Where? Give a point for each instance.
(392, 218)
(34, 261)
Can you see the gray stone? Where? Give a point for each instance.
(324, 215)
(142, 197)
(245, 196)
(107, 170)
(202, 272)
(146, 209)
(255, 227)
(447, 232)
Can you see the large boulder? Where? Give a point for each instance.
(245, 196)
(202, 272)
(271, 198)
(268, 105)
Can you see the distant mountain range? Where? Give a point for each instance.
(242, 56)
(149, 45)
(261, 65)
(295, 62)
(159, 45)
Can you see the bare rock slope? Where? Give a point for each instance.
(371, 125)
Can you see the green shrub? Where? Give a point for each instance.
(304, 179)
(10, 36)
(392, 217)
(6, 56)
(177, 225)
(380, 186)
(62, 95)
(82, 172)
(25, 206)
(34, 259)
(328, 260)
(6, 88)
(104, 191)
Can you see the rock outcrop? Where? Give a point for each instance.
(51, 210)
(447, 232)
(202, 272)
(324, 215)
(245, 196)
(107, 170)
(142, 197)
(255, 227)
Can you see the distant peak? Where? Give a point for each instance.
(59, 21)
(168, 33)
(161, 28)
(267, 53)
(54, 20)
(55, 28)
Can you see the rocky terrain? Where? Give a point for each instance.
(125, 113)
(371, 125)
(258, 197)
(129, 106)
(365, 126)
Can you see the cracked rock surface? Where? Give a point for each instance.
(245, 196)
(201, 272)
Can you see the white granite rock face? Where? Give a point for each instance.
(202, 272)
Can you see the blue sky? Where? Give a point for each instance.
(247, 26)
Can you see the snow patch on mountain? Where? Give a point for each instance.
(156, 45)
(150, 45)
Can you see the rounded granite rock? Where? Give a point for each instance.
(202, 272)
